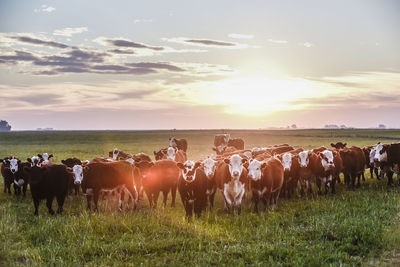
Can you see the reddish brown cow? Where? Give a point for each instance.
(238, 143)
(180, 144)
(159, 176)
(353, 165)
(339, 145)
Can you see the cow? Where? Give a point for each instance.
(48, 182)
(45, 158)
(291, 169)
(369, 153)
(231, 179)
(319, 149)
(117, 154)
(159, 176)
(98, 176)
(71, 162)
(306, 175)
(221, 139)
(353, 165)
(337, 169)
(208, 167)
(387, 156)
(141, 157)
(192, 187)
(175, 155)
(159, 154)
(339, 145)
(237, 143)
(35, 161)
(266, 181)
(12, 172)
(323, 167)
(180, 144)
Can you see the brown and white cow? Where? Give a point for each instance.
(45, 158)
(117, 154)
(175, 155)
(231, 178)
(160, 153)
(306, 175)
(180, 144)
(323, 169)
(291, 168)
(208, 167)
(387, 157)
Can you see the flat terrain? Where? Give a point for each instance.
(360, 227)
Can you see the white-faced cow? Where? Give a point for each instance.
(208, 167)
(180, 144)
(175, 155)
(45, 158)
(387, 156)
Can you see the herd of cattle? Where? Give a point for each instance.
(266, 172)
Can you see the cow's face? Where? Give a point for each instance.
(339, 145)
(35, 161)
(13, 163)
(372, 155)
(380, 154)
(255, 169)
(115, 153)
(327, 159)
(77, 172)
(209, 165)
(45, 157)
(304, 159)
(171, 153)
(287, 161)
(158, 155)
(188, 170)
(220, 149)
(235, 165)
(172, 142)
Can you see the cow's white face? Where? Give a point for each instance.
(287, 161)
(372, 155)
(254, 170)
(130, 160)
(77, 171)
(221, 148)
(327, 160)
(115, 153)
(36, 161)
(172, 142)
(378, 156)
(226, 138)
(13, 165)
(45, 157)
(171, 153)
(235, 166)
(188, 171)
(304, 159)
(209, 167)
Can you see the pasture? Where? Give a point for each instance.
(360, 227)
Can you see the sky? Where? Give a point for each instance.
(92, 65)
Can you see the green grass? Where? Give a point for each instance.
(350, 228)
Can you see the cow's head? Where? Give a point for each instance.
(304, 158)
(327, 159)
(287, 161)
(255, 169)
(380, 154)
(372, 155)
(78, 171)
(13, 164)
(172, 142)
(45, 157)
(114, 154)
(35, 161)
(209, 165)
(35, 174)
(188, 170)
(144, 167)
(235, 164)
(70, 162)
(339, 145)
(159, 154)
(219, 149)
(171, 153)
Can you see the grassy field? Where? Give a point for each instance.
(359, 227)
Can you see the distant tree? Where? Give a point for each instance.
(331, 126)
(294, 126)
(343, 126)
(382, 126)
(4, 126)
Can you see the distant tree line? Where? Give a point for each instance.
(4, 126)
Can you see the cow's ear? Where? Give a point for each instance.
(29, 160)
(63, 161)
(39, 155)
(332, 145)
(244, 161)
(246, 165)
(155, 153)
(214, 149)
(19, 162)
(227, 161)
(263, 165)
(196, 165)
(69, 169)
(180, 165)
(50, 156)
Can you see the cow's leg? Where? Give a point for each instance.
(376, 171)
(49, 202)
(211, 198)
(9, 188)
(60, 202)
(318, 182)
(88, 199)
(333, 185)
(76, 186)
(36, 202)
(255, 201)
(5, 187)
(96, 194)
(165, 197)
(121, 199)
(389, 174)
(302, 186)
(363, 176)
(173, 193)
(155, 199)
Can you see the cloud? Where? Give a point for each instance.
(205, 42)
(240, 36)
(70, 31)
(122, 51)
(18, 56)
(142, 20)
(35, 41)
(130, 44)
(159, 65)
(275, 41)
(307, 44)
(44, 8)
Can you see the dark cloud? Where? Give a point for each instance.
(41, 99)
(160, 65)
(135, 94)
(209, 42)
(74, 58)
(126, 43)
(35, 41)
(121, 51)
(19, 56)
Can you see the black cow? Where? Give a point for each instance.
(46, 183)
(192, 186)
